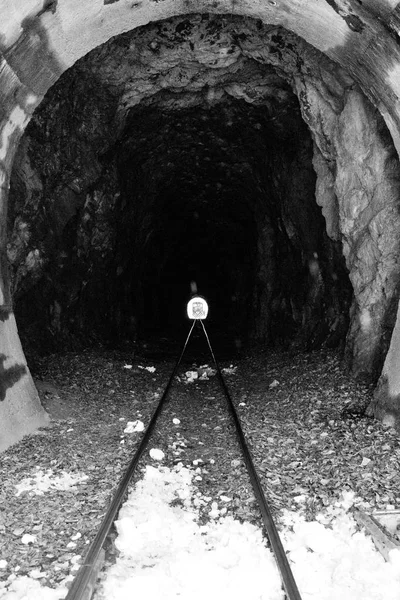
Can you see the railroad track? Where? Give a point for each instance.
(84, 583)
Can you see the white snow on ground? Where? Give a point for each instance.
(156, 454)
(204, 372)
(166, 555)
(134, 426)
(42, 481)
(231, 370)
(337, 562)
(25, 588)
(149, 369)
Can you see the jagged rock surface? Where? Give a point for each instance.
(195, 131)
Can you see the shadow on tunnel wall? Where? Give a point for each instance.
(9, 375)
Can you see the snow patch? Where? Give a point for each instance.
(231, 370)
(25, 587)
(163, 549)
(156, 454)
(337, 561)
(149, 369)
(134, 426)
(27, 539)
(165, 553)
(44, 481)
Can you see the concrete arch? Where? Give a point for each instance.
(40, 39)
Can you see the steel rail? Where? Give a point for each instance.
(288, 580)
(85, 576)
(82, 585)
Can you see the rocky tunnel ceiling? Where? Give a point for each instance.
(215, 149)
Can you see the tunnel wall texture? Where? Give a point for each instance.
(40, 39)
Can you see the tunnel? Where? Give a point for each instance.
(208, 180)
(213, 152)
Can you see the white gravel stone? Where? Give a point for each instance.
(156, 454)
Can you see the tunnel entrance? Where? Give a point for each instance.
(196, 222)
(216, 209)
(209, 149)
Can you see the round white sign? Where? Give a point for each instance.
(197, 308)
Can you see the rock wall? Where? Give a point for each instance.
(359, 191)
(42, 39)
(94, 193)
(368, 189)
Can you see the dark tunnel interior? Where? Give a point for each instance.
(112, 218)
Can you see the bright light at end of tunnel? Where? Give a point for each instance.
(197, 308)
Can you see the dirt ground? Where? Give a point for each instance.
(303, 418)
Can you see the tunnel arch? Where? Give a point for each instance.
(42, 39)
